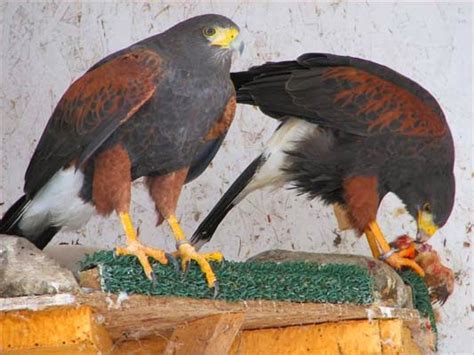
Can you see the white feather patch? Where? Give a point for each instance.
(284, 139)
(57, 204)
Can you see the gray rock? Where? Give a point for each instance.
(69, 256)
(390, 290)
(25, 270)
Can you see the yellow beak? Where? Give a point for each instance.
(426, 226)
(224, 37)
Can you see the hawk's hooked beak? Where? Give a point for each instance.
(228, 38)
(426, 226)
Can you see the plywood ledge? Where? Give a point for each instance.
(52, 330)
(385, 336)
(136, 317)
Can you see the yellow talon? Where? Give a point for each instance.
(214, 256)
(397, 260)
(187, 253)
(134, 247)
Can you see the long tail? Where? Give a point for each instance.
(9, 224)
(231, 198)
(266, 170)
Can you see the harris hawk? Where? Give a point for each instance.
(351, 131)
(158, 109)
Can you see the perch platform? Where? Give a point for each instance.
(109, 324)
(109, 316)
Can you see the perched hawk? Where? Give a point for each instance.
(157, 109)
(351, 131)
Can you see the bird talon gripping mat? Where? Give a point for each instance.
(288, 281)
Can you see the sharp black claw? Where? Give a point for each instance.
(216, 289)
(172, 260)
(153, 279)
(440, 295)
(186, 270)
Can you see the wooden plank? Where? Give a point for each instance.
(415, 345)
(211, 335)
(146, 346)
(62, 350)
(139, 316)
(397, 338)
(52, 330)
(391, 336)
(348, 337)
(36, 302)
(423, 338)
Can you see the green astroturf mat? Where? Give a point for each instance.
(421, 296)
(296, 281)
(288, 281)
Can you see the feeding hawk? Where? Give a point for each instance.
(351, 131)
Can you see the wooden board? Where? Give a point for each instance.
(139, 316)
(64, 329)
(213, 335)
(347, 337)
(179, 325)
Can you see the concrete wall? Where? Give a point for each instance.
(46, 46)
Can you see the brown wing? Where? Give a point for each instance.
(345, 93)
(364, 102)
(212, 141)
(92, 108)
(222, 125)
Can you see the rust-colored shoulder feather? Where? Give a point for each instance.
(345, 93)
(373, 103)
(92, 108)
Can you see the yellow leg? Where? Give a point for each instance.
(372, 243)
(375, 229)
(187, 252)
(396, 260)
(134, 247)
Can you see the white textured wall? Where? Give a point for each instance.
(46, 46)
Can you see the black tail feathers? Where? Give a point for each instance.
(9, 224)
(206, 229)
(11, 218)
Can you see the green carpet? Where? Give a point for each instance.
(288, 281)
(421, 296)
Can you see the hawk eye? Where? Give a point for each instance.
(209, 31)
(427, 207)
